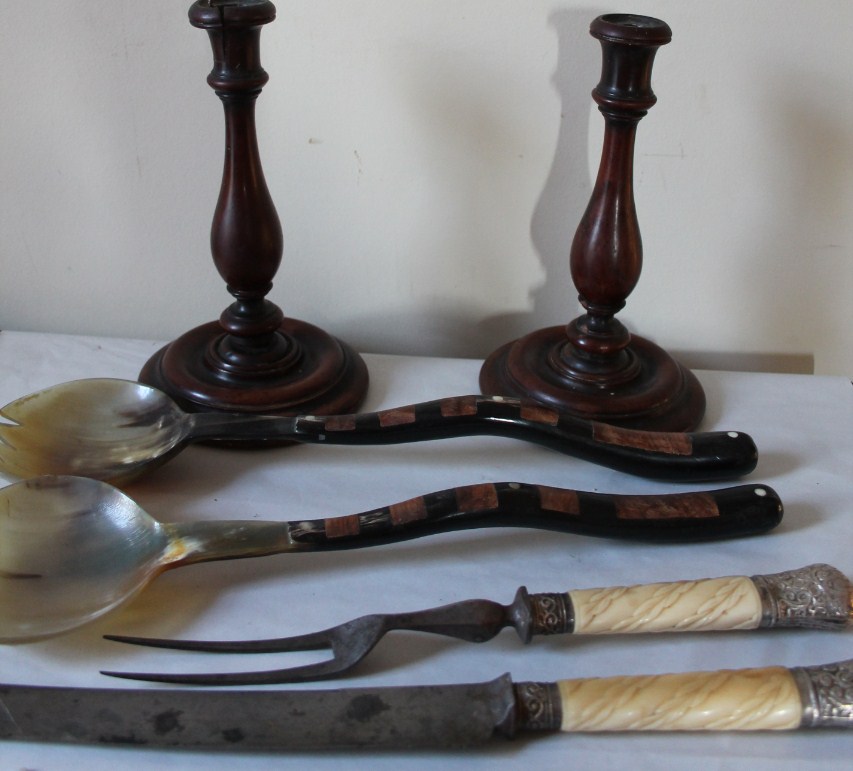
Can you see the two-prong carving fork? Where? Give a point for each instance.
(817, 597)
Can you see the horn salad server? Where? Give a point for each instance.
(437, 716)
(813, 597)
(73, 548)
(114, 430)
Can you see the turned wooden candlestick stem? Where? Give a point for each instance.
(607, 251)
(254, 359)
(594, 367)
(245, 237)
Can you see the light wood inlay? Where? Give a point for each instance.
(477, 497)
(408, 511)
(697, 506)
(340, 423)
(536, 414)
(555, 499)
(729, 700)
(713, 604)
(654, 441)
(397, 417)
(341, 527)
(456, 406)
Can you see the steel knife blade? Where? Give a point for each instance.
(429, 716)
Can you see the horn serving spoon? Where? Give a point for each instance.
(73, 548)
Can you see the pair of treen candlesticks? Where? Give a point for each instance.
(254, 359)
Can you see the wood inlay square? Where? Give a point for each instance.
(340, 423)
(655, 441)
(397, 416)
(555, 499)
(536, 414)
(476, 497)
(408, 511)
(700, 506)
(341, 527)
(459, 405)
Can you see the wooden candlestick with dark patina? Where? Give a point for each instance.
(594, 368)
(253, 359)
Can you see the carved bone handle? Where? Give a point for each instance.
(771, 698)
(817, 597)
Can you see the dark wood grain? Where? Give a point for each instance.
(593, 367)
(253, 358)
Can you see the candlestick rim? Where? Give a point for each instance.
(630, 29)
(205, 15)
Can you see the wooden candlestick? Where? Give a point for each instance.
(253, 359)
(594, 368)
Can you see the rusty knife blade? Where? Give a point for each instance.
(390, 717)
(432, 716)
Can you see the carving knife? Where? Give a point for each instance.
(437, 716)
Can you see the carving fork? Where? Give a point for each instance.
(817, 597)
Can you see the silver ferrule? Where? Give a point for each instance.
(827, 694)
(551, 613)
(538, 707)
(813, 597)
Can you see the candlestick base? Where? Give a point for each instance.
(253, 359)
(650, 391)
(305, 371)
(593, 368)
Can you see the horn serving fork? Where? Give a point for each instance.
(115, 430)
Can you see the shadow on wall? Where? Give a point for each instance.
(567, 187)
(461, 330)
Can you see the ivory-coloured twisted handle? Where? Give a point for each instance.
(712, 604)
(816, 596)
(761, 699)
(726, 700)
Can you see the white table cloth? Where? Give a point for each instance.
(803, 426)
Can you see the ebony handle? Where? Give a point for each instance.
(674, 517)
(671, 456)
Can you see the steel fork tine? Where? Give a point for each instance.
(312, 641)
(310, 672)
(349, 643)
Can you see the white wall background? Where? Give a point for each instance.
(430, 160)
